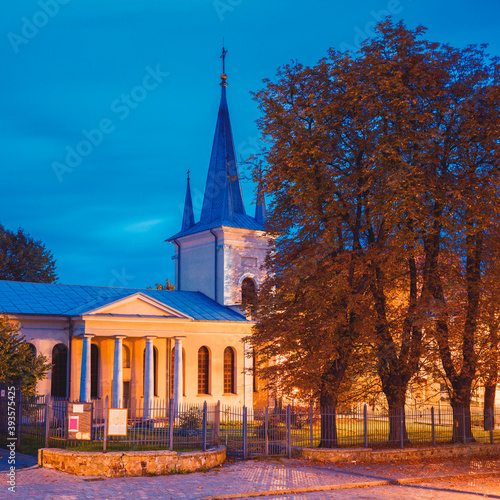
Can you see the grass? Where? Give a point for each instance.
(378, 434)
(350, 433)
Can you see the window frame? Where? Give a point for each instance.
(204, 372)
(229, 371)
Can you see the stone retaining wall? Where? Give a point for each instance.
(129, 463)
(367, 455)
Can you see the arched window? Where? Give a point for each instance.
(59, 371)
(229, 369)
(32, 349)
(94, 371)
(183, 372)
(203, 371)
(155, 369)
(248, 294)
(125, 356)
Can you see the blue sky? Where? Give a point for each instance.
(138, 80)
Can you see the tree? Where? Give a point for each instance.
(313, 301)
(489, 350)
(461, 163)
(166, 286)
(383, 172)
(334, 193)
(18, 363)
(24, 259)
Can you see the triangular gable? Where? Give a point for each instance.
(137, 304)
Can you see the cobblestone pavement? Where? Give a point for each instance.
(457, 489)
(21, 461)
(246, 479)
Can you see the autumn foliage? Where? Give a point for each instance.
(383, 173)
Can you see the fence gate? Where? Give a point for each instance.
(270, 434)
(247, 432)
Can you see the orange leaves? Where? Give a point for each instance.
(379, 168)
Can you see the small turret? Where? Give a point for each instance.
(188, 216)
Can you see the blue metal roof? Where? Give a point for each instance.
(239, 220)
(72, 300)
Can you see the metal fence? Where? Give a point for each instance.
(363, 428)
(43, 422)
(21, 416)
(161, 426)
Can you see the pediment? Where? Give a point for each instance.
(137, 305)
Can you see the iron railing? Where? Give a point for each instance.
(43, 422)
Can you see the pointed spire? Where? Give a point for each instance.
(223, 197)
(260, 205)
(188, 217)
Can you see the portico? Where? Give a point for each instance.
(133, 350)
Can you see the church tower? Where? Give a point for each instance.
(221, 255)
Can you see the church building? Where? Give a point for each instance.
(143, 345)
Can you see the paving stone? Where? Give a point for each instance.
(238, 478)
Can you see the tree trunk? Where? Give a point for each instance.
(489, 406)
(328, 410)
(396, 402)
(328, 399)
(462, 422)
(490, 384)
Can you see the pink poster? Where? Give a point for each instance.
(73, 424)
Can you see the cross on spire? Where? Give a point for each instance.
(223, 57)
(223, 77)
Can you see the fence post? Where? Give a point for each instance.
(105, 440)
(365, 425)
(492, 424)
(401, 427)
(91, 421)
(48, 416)
(204, 428)
(463, 424)
(433, 427)
(311, 419)
(245, 450)
(171, 424)
(289, 431)
(217, 424)
(266, 429)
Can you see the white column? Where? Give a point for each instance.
(85, 374)
(177, 372)
(118, 373)
(148, 377)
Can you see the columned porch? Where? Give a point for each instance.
(127, 368)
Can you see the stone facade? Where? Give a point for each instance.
(129, 463)
(240, 254)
